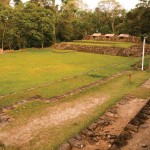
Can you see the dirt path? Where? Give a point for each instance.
(56, 115)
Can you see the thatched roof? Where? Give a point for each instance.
(97, 34)
(124, 35)
(109, 35)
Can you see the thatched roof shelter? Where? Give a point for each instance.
(109, 35)
(97, 34)
(124, 35)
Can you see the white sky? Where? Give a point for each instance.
(127, 4)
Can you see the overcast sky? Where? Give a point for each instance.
(127, 4)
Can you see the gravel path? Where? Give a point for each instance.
(56, 116)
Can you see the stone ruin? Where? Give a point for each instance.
(133, 51)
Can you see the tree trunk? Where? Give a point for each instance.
(54, 32)
(42, 44)
(54, 25)
(113, 26)
(3, 35)
(9, 46)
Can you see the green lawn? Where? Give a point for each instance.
(103, 43)
(119, 86)
(32, 68)
(98, 41)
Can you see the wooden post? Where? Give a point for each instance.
(130, 74)
(149, 65)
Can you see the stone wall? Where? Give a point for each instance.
(1, 51)
(115, 38)
(135, 51)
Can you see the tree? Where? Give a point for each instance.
(143, 3)
(54, 9)
(65, 19)
(38, 22)
(28, 25)
(5, 15)
(71, 20)
(49, 4)
(110, 10)
(137, 20)
(16, 2)
(102, 25)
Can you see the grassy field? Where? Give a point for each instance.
(22, 70)
(33, 68)
(119, 88)
(103, 43)
(98, 41)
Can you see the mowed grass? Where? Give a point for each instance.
(103, 43)
(37, 67)
(98, 41)
(32, 68)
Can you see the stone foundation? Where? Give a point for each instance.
(134, 51)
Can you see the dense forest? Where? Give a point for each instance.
(40, 23)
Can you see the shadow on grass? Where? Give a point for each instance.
(96, 76)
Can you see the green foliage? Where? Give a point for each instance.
(46, 66)
(27, 25)
(110, 10)
(70, 23)
(16, 2)
(5, 22)
(138, 20)
(38, 23)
